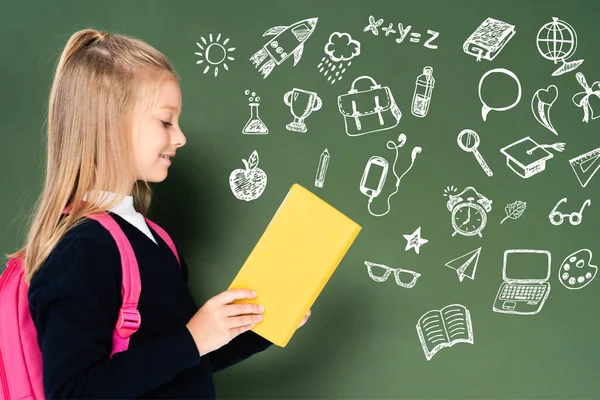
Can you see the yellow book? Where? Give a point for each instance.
(293, 260)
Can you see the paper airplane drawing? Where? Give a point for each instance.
(287, 40)
(465, 265)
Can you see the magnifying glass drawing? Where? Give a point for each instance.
(468, 140)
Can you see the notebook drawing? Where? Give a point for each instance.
(488, 39)
(294, 258)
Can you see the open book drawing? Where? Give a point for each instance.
(444, 328)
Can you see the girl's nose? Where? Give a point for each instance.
(180, 139)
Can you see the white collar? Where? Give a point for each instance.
(125, 207)
(126, 210)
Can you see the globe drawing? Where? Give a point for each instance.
(557, 41)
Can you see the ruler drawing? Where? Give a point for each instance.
(586, 165)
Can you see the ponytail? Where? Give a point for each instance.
(79, 40)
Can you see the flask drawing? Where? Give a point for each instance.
(254, 126)
(423, 91)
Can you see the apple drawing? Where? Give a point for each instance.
(248, 184)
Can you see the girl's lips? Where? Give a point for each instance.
(167, 160)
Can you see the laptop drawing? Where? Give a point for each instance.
(525, 288)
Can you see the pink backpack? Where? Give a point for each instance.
(20, 355)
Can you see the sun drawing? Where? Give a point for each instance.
(214, 53)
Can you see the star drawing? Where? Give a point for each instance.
(414, 241)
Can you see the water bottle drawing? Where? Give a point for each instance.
(254, 126)
(423, 91)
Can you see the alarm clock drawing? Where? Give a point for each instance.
(469, 216)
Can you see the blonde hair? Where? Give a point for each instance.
(100, 81)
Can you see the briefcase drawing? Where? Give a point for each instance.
(367, 111)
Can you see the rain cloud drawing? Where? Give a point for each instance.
(339, 51)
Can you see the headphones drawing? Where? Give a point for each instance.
(381, 163)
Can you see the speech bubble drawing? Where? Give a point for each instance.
(485, 109)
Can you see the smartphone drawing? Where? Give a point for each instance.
(374, 176)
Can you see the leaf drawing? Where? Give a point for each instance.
(514, 210)
(253, 161)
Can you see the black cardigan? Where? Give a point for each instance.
(75, 298)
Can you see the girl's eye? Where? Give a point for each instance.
(166, 124)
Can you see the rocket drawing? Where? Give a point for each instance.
(288, 40)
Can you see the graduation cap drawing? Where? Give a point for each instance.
(526, 157)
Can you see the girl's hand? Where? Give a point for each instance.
(218, 321)
(304, 319)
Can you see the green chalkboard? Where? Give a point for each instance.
(361, 340)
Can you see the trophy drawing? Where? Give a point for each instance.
(302, 103)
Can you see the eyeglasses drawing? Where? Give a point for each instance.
(375, 272)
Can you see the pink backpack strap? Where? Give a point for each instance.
(129, 319)
(165, 236)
